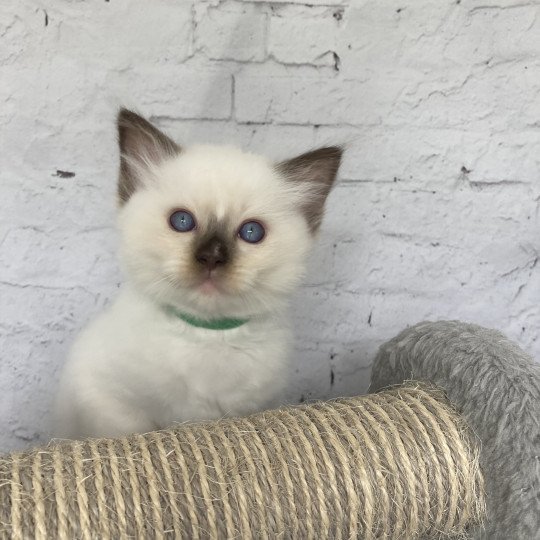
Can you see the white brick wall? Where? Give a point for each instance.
(437, 215)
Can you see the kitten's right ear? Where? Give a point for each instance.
(141, 146)
(317, 170)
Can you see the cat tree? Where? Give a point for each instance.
(453, 453)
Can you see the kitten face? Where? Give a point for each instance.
(212, 230)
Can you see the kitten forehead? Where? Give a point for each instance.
(220, 164)
(222, 181)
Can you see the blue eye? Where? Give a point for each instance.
(182, 221)
(252, 232)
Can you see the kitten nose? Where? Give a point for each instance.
(212, 253)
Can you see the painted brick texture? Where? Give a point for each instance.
(436, 216)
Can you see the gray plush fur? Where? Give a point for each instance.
(496, 386)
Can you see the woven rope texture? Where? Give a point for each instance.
(398, 464)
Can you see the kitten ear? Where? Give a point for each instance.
(141, 146)
(317, 170)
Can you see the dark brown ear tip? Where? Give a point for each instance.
(126, 117)
(333, 156)
(330, 153)
(336, 149)
(336, 152)
(123, 114)
(124, 111)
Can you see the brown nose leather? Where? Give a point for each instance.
(212, 253)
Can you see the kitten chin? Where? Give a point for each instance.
(214, 233)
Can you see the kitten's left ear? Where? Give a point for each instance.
(141, 146)
(317, 170)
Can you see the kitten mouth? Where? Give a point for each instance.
(208, 285)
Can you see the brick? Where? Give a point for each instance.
(21, 32)
(305, 35)
(178, 91)
(232, 31)
(496, 33)
(430, 158)
(311, 100)
(420, 157)
(124, 33)
(483, 98)
(38, 259)
(478, 100)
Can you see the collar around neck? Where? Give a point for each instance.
(210, 324)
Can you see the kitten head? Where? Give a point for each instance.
(212, 230)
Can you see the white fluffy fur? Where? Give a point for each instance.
(137, 367)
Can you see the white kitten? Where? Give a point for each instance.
(213, 243)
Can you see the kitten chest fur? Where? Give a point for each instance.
(158, 370)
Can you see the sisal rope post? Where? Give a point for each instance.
(397, 464)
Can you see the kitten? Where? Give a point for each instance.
(213, 241)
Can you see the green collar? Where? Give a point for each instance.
(212, 324)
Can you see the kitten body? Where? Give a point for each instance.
(153, 357)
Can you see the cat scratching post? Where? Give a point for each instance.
(398, 464)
